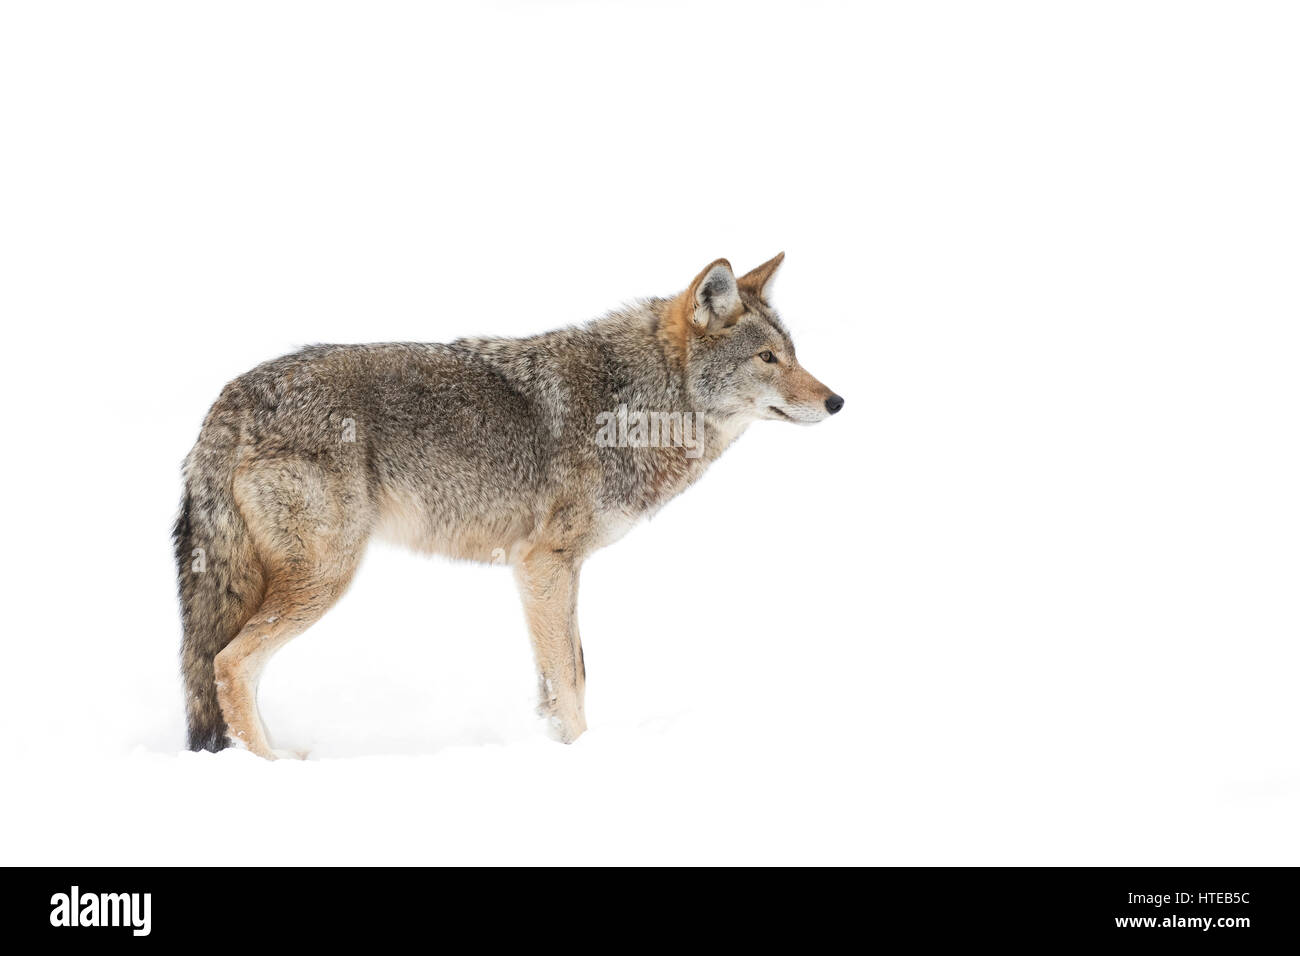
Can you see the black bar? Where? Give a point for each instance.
(1228, 907)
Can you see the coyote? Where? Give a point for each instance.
(484, 449)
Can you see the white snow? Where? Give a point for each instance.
(1030, 598)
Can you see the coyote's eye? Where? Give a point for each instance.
(767, 356)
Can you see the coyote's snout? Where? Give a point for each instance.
(534, 451)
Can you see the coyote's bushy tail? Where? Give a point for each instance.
(220, 587)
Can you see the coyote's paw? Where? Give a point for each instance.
(561, 708)
(279, 754)
(566, 731)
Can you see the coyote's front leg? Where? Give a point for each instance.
(548, 584)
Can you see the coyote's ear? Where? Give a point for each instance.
(714, 297)
(759, 281)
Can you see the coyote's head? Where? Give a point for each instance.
(739, 358)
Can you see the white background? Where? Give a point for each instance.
(1031, 598)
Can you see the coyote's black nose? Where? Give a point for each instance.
(834, 404)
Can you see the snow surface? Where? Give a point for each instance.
(1031, 598)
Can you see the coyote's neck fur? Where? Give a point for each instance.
(630, 362)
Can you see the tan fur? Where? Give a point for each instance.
(286, 612)
(402, 520)
(548, 585)
(801, 388)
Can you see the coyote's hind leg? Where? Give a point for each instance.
(282, 616)
(309, 527)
